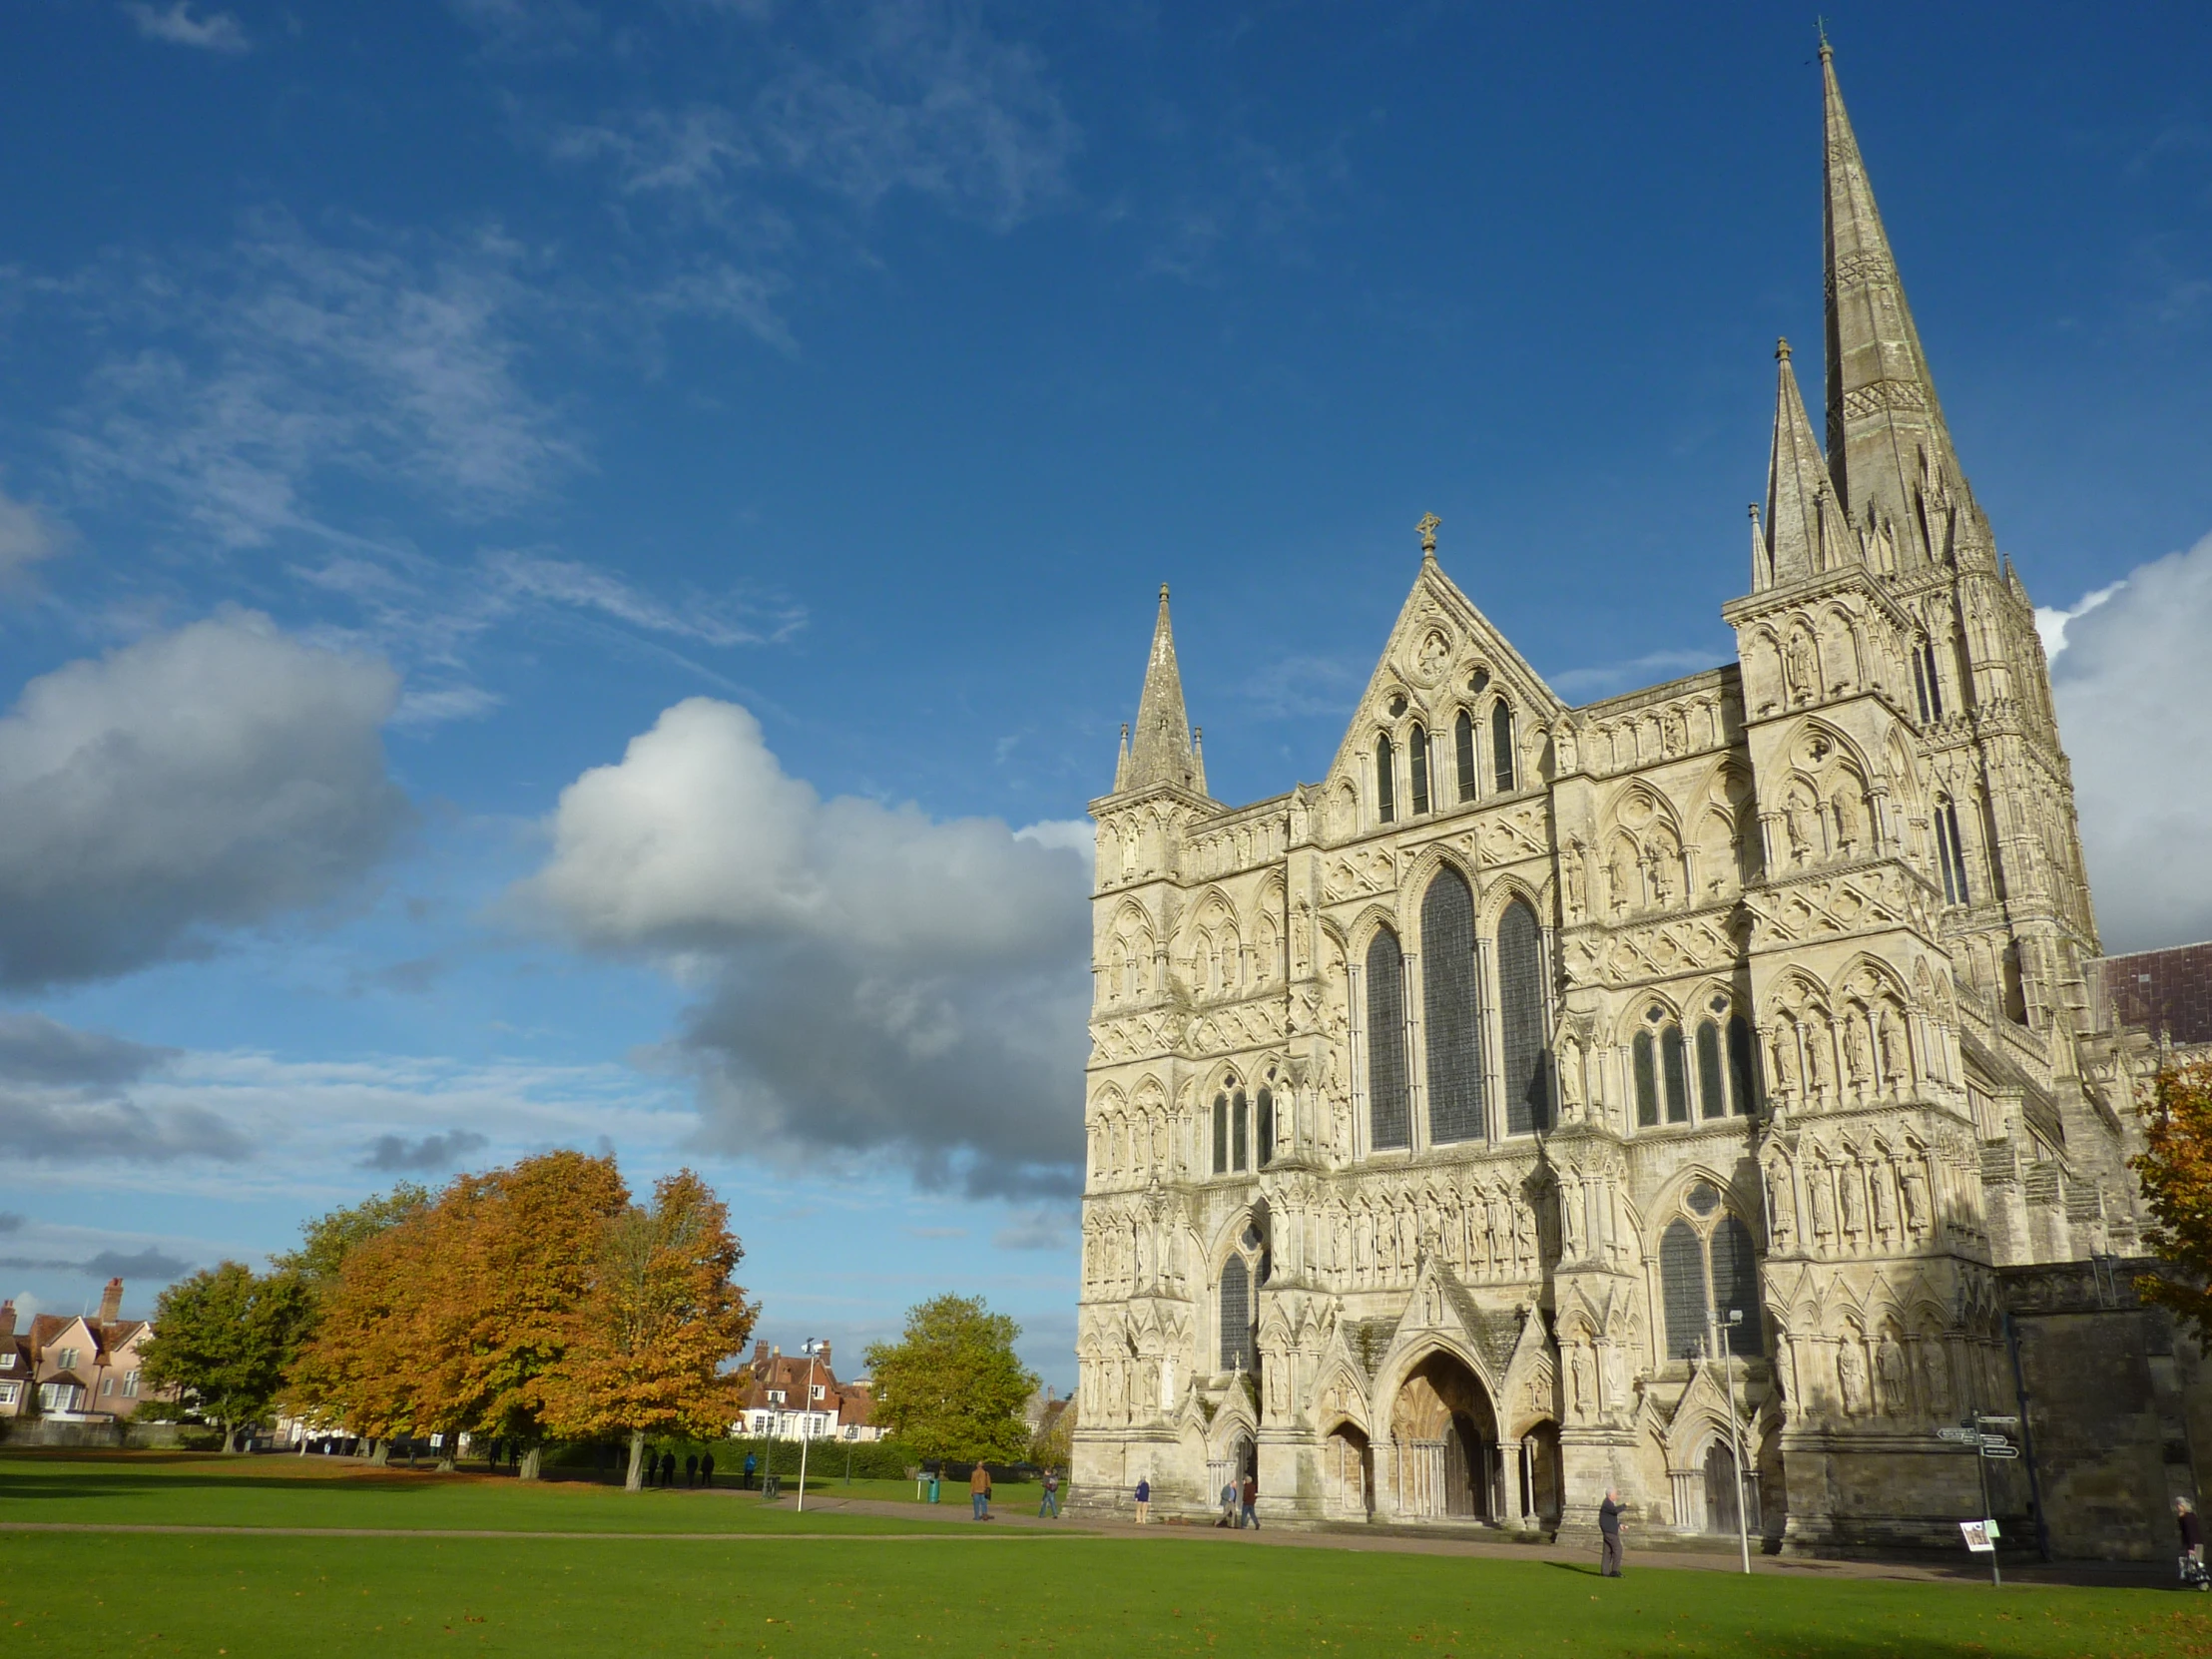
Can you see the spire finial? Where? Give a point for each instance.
(1821, 23)
(1163, 593)
(1428, 528)
(1782, 350)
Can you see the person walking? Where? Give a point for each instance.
(1144, 1500)
(1247, 1494)
(979, 1492)
(745, 1480)
(1049, 1510)
(2192, 1544)
(707, 1470)
(691, 1469)
(1228, 1504)
(668, 1471)
(1609, 1535)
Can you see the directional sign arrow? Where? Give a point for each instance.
(1994, 1439)
(1958, 1436)
(2000, 1451)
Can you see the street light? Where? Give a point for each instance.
(1736, 1433)
(806, 1435)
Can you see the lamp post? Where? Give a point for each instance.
(806, 1436)
(1736, 1433)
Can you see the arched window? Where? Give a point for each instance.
(1462, 751)
(2015, 986)
(1417, 753)
(1647, 1081)
(1951, 852)
(1743, 1064)
(1388, 1114)
(1682, 1286)
(1736, 1285)
(1385, 781)
(1712, 1083)
(1221, 1134)
(1235, 1314)
(1520, 1006)
(1671, 1066)
(1920, 680)
(1264, 1130)
(1240, 1132)
(1501, 745)
(1449, 1010)
(1925, 665)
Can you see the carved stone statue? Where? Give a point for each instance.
(1786, 1057)
(1816, 1062)
(1823, 1202)
(1855, 1200)
(1916, 1198)
(1621, 878)
(1781, 1205)
(1889, 1364)
(1571, 1080)
(1858, 1050)
(1799, 668)
(1850, 821)
(1524, 1244)
(1578, 1372)
(1850, 1376)
(1880, 1178)
(1896, 1069)
(1613, 1377)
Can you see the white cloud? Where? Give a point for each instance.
(2050, 624)
(1636, 673)
(26, 536)
(2133, 685)
(190, 783)
(216, 32)
(872, 979)
(709, 620)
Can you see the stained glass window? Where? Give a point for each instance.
(1742, 1066)
(1647, 1082)
(1236, 1315)
(1221, 1134)
(1264, 1130)
(1385, 781)
(1387, 1109)
(1417, 752)
(1682, 1285)
(1736, 1285)
(1501, 745)
(1449, 1010)
(1240, 1131)
(1712, 1083)
(1521, 1001)
(1462, 747)
(1671, 1063)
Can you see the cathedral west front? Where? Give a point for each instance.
(1558, 1098)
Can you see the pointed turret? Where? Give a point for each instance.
(1804, 528)
(1159, 750)
(1888, 447)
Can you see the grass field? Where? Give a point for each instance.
(945, 1589)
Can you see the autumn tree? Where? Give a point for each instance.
(317, 1266)
(2176, 1171)
(367, 1364)
(223, 1340)
(646, 1349)
(951, 1386)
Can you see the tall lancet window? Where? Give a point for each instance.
(1417, 753)
(1449, 1010)
(1951, 852)
(1389, 1112)
(1236, 1315)
(1462, 750)
(1385, 781)
(1520, 1006)
(1501, 745)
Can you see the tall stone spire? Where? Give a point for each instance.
(1804, 531)
(1887, 447)
(1160, 750)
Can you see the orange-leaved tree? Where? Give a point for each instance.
(647, 1347)
(526, 1245)
(370, 1359)
(2176, 1171)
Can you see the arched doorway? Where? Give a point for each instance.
(1347, 1472)
(1445, 1452)
(1536, 1484)
(1720, 1490)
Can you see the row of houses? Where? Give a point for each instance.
(792, 1398)
(72, 1368)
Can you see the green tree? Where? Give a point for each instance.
(223, 1340)
(315, 1386)
(951, 1386)
(325, 1242)
(2176, 1171)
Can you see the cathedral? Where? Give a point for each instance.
(1556, 1099)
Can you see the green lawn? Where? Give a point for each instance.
(157, 1489)
(953, 1590)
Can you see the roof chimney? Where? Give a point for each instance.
(822, 1354)
(7, 1317)
(111, 1301)
(759, 1355)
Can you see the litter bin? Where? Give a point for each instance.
(934, 1481)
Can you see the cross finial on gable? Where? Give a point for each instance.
(1428, 528)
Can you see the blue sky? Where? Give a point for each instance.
(406, 410)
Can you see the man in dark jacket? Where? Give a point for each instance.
(707, 1470)
(1248, 1494)
(1609, 1535)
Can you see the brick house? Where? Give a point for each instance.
(68, 1366)
(778, 1403)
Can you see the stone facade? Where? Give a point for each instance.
(1440, 1112)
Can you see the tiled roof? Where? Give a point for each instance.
(2165, 992)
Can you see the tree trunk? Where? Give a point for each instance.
(381, 1456)
(230, 1437)
(635, 1480)
(531, 1461)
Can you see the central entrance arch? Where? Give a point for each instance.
(1444, 1433)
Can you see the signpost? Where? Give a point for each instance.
(1975, 1432)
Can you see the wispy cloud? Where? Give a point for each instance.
(1290, 688)
(216, 32)
(395, 1153)
(26, 536)
(1607, 679)
(711, 621)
